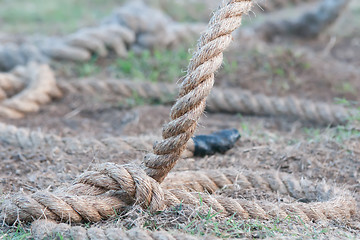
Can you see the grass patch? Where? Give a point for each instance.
(88, 68)
(180, 10)
(159, 65)
(18, 233)
(52, 16)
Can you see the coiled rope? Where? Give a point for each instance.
(96, 193)
(40, 89)
(220, 100)
(47, 229)
(127, 28)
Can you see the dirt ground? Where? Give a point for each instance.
(305, 150)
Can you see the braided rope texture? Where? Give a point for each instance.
(40, 88)
(26, 139)
(220, 100)
(47, 229)
(194, 88)
(108, 187)
(125, 29)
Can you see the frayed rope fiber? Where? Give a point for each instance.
(96, 193)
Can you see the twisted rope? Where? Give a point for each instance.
(26, 139)
(194, 88)
(269, 181)
(224, 100)
(41, 87)
(107, 188)
(46, 229)
(127, 28)
(10, 83)
(184, 115)
(220, 100)
(97, 194)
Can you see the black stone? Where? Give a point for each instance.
(217, 142)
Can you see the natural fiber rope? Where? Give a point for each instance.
(47, 229)
(185, 114)
(224, 100)
(269, 181)
(220, 100)
(26, 139)
(127, 28)
(194, 88)
(41, 87)
(10, 83)
(97, 194)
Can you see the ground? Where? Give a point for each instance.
(303, 149)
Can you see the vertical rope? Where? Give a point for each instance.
(195, 88)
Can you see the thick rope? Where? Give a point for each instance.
(126, 29)
(40, 89)
(269, 181)
(26, 139)
(97, 194)
(195, 88)
(107, 188)
(10, 83)
(219, 100)
(47, 229)
(224, 100)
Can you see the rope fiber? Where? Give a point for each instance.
(107, 188)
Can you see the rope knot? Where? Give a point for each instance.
(125, 179)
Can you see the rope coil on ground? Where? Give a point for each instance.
(40, 89)
(106, 188)
(44, 229)
(23, 138)
(220, 100)
(123, 30)
(185, 113)
(224, 100)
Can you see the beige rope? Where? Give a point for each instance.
(195, 88)
(26, 139)
(40, 89)
(269, 181)
(47, 229)
(107, 188)
(10, 83)
(126, 29)
(185, 114)
(224, 100)
(220, 100)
